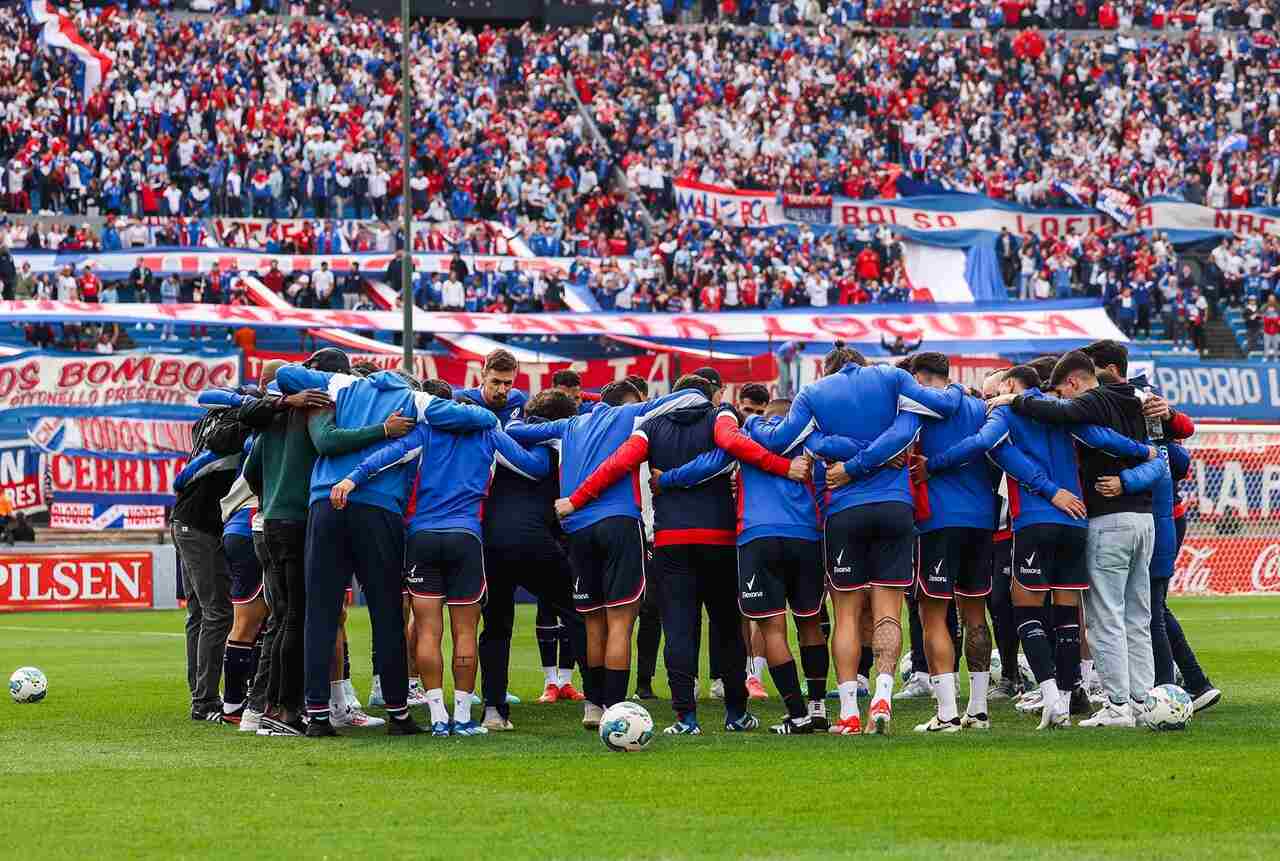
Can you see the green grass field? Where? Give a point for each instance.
(109, 765)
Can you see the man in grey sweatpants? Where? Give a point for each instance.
(197, 534)
(1121, 534)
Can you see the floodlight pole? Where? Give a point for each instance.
(406, 204)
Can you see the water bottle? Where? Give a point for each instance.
(1155, 429)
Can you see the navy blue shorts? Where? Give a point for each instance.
(244, 567)
(607, 560)
(775, 573)
(1050, 556)
(870, 545)
(446, 565)
(954, 562)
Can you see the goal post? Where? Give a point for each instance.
(1232, 497)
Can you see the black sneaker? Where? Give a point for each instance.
(644, 691)
(1080, 704)
(320, 728)
(794, 726)
(403, 726)
(211, 716)
(276, 726)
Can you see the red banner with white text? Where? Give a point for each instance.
(81, 580)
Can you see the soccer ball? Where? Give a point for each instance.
(626, 726)
(1168, 707)
(28, 685)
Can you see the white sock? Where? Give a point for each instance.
(376, 684)
(848, 699)
(337, 696)
(757, 667)
(415, 681)
(1049, 692)
(978, 683)
(884, 687)
(565, 677)
(944, 691)
(552, 675)
(461, 706)
(435, 703)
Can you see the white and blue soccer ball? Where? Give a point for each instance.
(28, 685)
(1167, 707)
(626, 726)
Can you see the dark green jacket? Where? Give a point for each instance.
(279, 466)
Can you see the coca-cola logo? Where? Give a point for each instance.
(1265, 576)
(1195, 574)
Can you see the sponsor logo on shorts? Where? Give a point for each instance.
(1031, 559)
(411, 576)
(753, 594)
(751, 584)
(838, 568)
(936, 576)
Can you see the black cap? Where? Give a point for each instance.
(710, 373)
(329, 359)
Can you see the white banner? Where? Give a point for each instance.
(194, 261)
(974, 324)
(91, 381)
(763, 209)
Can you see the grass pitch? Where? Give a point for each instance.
(109, 765)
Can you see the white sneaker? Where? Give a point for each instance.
(936, 724)
(355, 716)
(1139, 712)
(1093, 687)
(916, 688)
(591, 714)
(1111, 715)
(495, 722)
(1056, 714)
(978, 721)
(349, 691)
(1030, 702)
(717, 689)
(417, 694)
(250, 721)
(1207, 699)
(375, 694)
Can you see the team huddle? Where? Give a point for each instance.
(1048, 503)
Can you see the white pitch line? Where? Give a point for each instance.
(4, 628)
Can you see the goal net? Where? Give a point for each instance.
(1232, 497)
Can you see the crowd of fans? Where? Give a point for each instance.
(208, 122)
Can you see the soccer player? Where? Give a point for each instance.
(445, 557)
(753, 400)
(1121, 536)
(367, 535)
(240, 663)
(522, 548)
(497, 387)
(606, 542)
(779, 566)
(869, 516)
(691, 528)
(1049, 535)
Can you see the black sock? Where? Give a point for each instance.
(547, 643)
(788, 685)
(593, 684)
(346, 660)
(1066, 651)
(1035, 641)
(237, 662)
(615, 686)
(864, 663)
(824, 623)
(566, 650)
(254, 657)
(816, 663)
